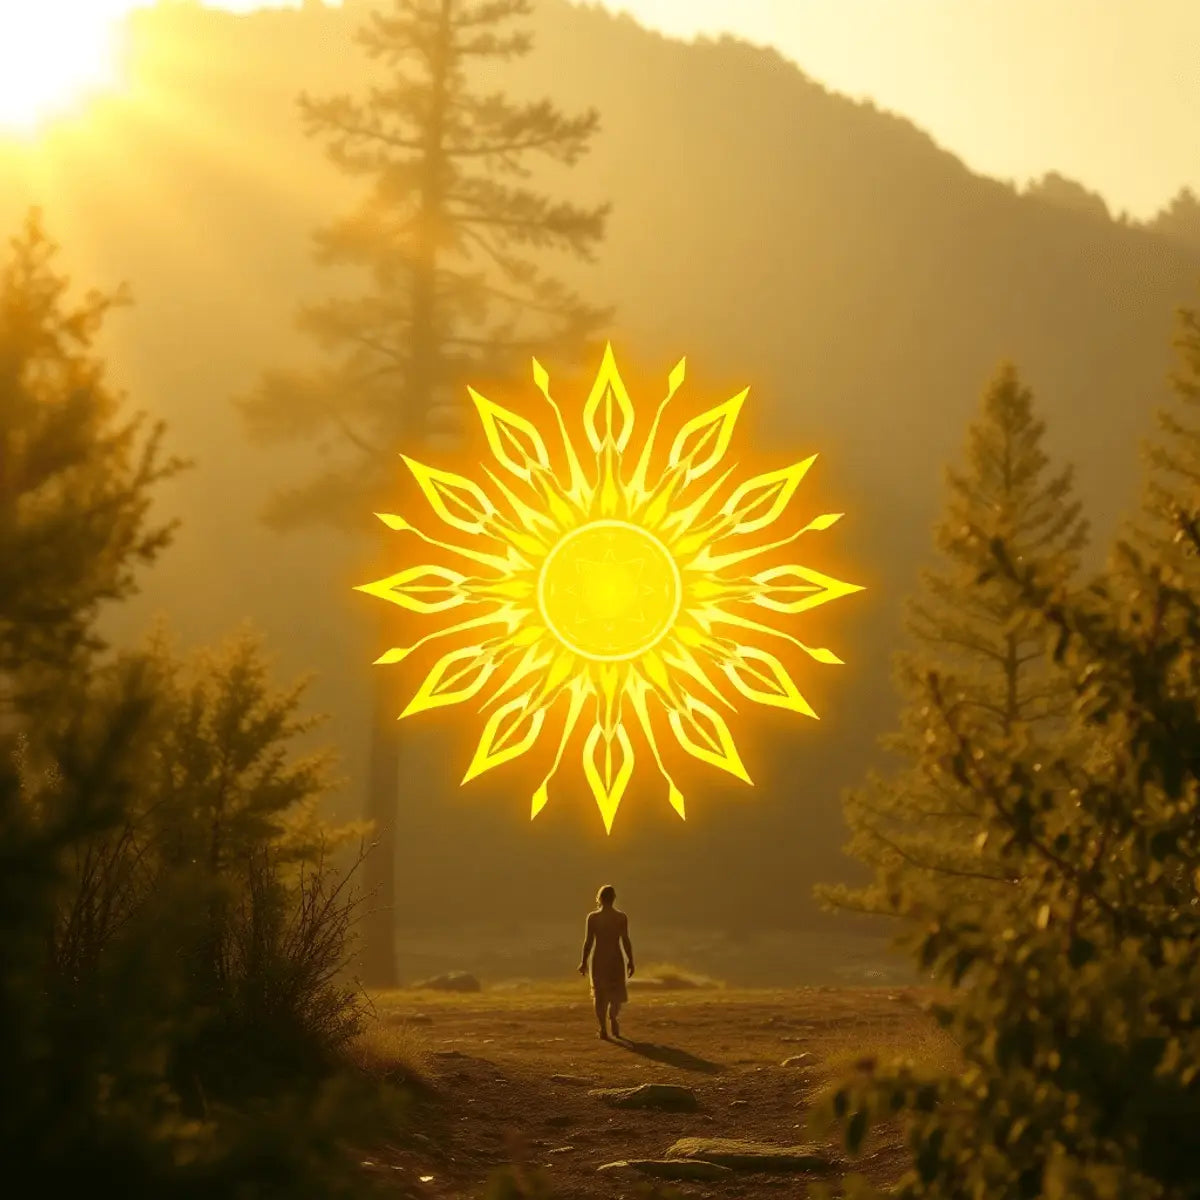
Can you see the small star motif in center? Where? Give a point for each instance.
(608, 589)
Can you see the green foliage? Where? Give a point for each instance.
(225, 778)
(280, 1008)
(98, 1039)
(75, 476)
(452, 243)
(1073, 997)
(171, 934)
(223, 813)
(913, 824)
(1172, 486)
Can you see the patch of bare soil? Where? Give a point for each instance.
(512, 1071)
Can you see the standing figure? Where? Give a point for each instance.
(607, 933)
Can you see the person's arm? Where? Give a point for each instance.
(588, 942)
(627, 944)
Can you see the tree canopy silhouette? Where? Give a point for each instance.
(450, 240)
(1071, 991)
(1072, 997)
(1172, 482)
(75, 472)
(991, 654)
(171, 936)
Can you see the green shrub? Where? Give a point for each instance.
(1075, 1002)
(165, 887)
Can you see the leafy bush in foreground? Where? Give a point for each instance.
(1075, 1003)
(171, 934)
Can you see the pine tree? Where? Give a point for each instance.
(101, 765)
(1073, 1001)
(921, 826)
(1172, 485)
(75, 473)
(450, 239)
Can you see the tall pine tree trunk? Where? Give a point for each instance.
(452, 144)
(384, 790)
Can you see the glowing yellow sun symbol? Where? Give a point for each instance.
(603, 590)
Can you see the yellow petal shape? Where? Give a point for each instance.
(681, 520)
(637, 485)
(496, 563)
(459, 502)
(609, 779)
(805, 589)
(579, 692)
(824, 521)
(702, 442)
(508, 616)
(529, 516)
(455, 677)
(406, 589)
(514, 441)
(702, 732)
(608, 411)
(638, 691)
(577, 488)
(761, 677)
(510, 731)
(760, 501)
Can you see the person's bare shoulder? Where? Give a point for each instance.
(622, 918)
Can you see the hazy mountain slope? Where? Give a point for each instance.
(858, 277)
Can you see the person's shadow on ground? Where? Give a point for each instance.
(672, 1056)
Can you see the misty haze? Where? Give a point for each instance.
(259, 937)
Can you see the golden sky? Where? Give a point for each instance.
(1104, 91)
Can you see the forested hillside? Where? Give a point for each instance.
(859, 278)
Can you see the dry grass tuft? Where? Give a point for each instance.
(393, 1053)
(870, 1045)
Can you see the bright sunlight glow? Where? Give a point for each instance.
(609, 598)
(54, 54)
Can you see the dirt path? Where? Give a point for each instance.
(494, 1056)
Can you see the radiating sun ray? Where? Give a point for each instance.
(595, 592)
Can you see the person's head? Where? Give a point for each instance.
(606, 897)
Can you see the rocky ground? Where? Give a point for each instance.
(518, 1075)
(839, 951)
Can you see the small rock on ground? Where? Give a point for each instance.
(667, 1097)
(452, 981)
(669, 982)
(753, 1156)
(576, 1079)
(668, 1168)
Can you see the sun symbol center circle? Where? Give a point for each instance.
(609, 590)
